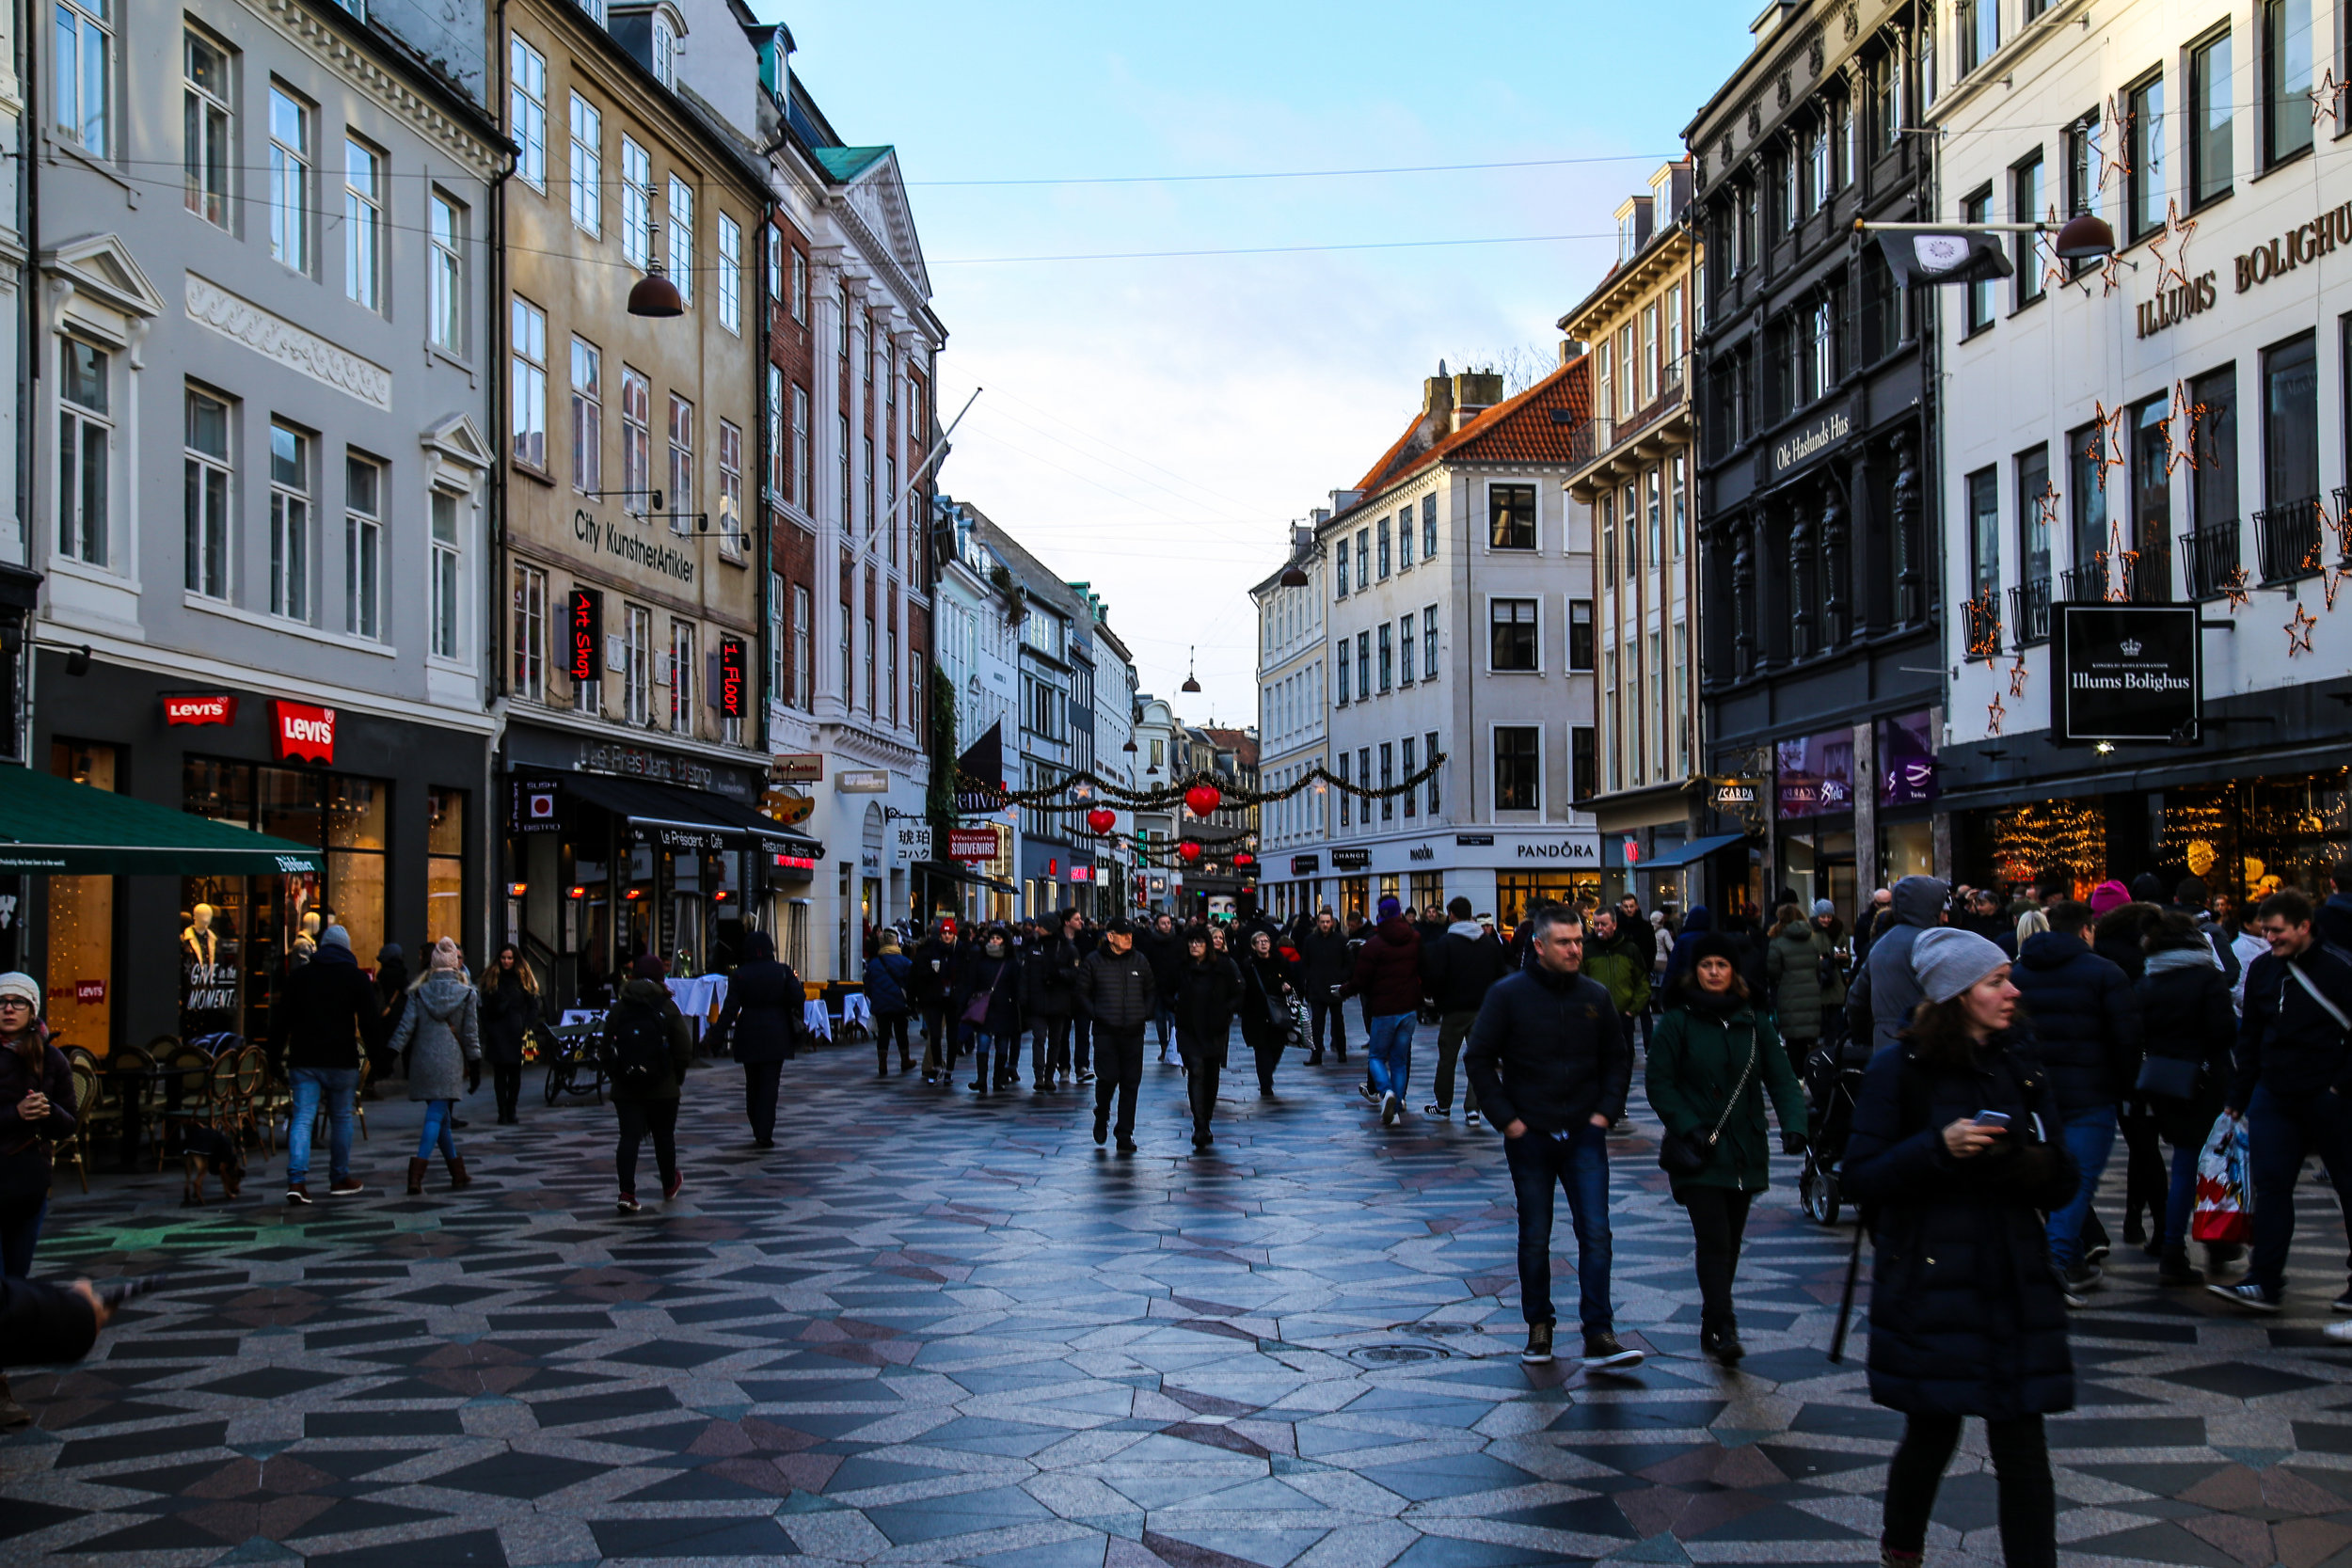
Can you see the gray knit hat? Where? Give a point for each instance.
(1947, 960)
(1823, 909)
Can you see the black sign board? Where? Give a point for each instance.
(535, 806)
(1306, 865)
(2125, 672)
(1474, 840)
(1794, 448)
(982, 761)
(1351, 859)
(587, 631)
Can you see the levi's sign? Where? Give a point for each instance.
(212, 709)
(304, 731)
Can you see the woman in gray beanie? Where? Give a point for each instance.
(1953, 1156)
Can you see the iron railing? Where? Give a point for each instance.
(1981, 624)
(2148, 573)
(2287, 540)
(2029, 611)
(2209, 560)
(2088, 582)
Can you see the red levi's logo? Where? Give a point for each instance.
(305, 733)
(201, 711)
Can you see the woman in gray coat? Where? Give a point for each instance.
(441, 1042)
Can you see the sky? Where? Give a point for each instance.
(1152, 425)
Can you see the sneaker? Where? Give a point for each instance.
(2342, 1303)
(299, 1194)
(2339, 1333)
(1538, 1351)
(2067, 1290)
(2095, 1254)
(2247, 1294)
(1601, 1350)
(671, 1188)
(1389, 1109)
(1085, 1078)
(1371, 1094)
(1470, 1118)
(1446, 1111)
(628, 1203)
(1722, 1344)
(343, 1186)
(2084, 1278)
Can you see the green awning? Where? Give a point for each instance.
(55, 825)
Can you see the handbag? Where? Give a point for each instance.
(2167, 1078)
(975, 1011)
(1687, 1153)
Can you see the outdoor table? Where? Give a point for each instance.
(816, 1020)
(580, 1014)
(856, 1011)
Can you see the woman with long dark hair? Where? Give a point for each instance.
(1207, 990)
(510, 1005)
(1956, 1154)
(1265, 1012)
(993, 980)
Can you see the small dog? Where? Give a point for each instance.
(207, 1150)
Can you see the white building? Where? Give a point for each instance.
(1164, 746)
(1115, 759)
(1294, 716)
(979, 626)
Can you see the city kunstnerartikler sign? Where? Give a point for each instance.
(2127, 672)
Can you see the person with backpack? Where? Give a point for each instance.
(439, 1042)
(647, 1048)
(988, 999)
(2186, 1073)
(1457, 973)
(887, 977)
(760, 1021)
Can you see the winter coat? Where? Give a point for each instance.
(761, 1017)
(2086, 1021)
(43, 1323)
(1696, 1053)
(1165, 955)
(1265, 1010)
(936, 966)
(2115, 937)
(2185, 997)
(1794, 961)
(889, 982)
(1622, 964)
(25, 1145)
(1117, 990)
(1547, 1050)
(1206, 995)
(1461, 967)
(1885, 993)
(1046, 972)
(1323, 960)
(2286, 1043)
(1696, 924)
(507, 1012)
(2333, 920)
(1388, 971)
(643, 995)
(1000, 979)
(1833, 935)
(323, 1012)
(440, 1033)
(1965, 1316)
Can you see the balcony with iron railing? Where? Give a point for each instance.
(2209, 560)
(2148, 573)
(2086, 583)
(1603, 435)
(2287, 540)
(1980, 624)
(2029, 611)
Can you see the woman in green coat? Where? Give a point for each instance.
(1712, 1039)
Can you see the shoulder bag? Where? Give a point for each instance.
(1687, 1153)
(975, 1011)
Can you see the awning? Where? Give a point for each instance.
(54, 824)
(953, 872)
(688, 818)
(1684, 853)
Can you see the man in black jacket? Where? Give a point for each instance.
(1323, 963)
(326, 1015)
(938, 964)
(1163, 948)
(1048, 966)
(1117, 989)
(1550, 1066)
(2293, 1071)
(1456, 971)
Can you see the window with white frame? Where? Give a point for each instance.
(363, 547)
(771, 257)
(803, 651)
(83, 87)
(445, 277)
(526, 111)
(1519, 768)
(681, 498)
(1429, 643)
(530, 633)
(363, 224)
(290, 122)
(664, 49)
(804, 454)
(730, 488)
(636, 204)
(206, 516)
(800, 288)
(291, 461)
(587, 417)
(730, 273)
(85, 437)
(529, 391)
(636, 441)
(1512, 635)
(681, 677)
(587, 164)
(448, 607)
(637, 666)
(1405, 641)
(681, 237)
(771, 411)
(206, 125)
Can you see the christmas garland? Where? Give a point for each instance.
(1054, 796)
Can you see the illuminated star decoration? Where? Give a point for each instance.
(2189, 413)
(2117, 162)
(2045, 507)
(2124, 560)
(2234, 588)
(2300, 630)
(2332, 579)
(1995, 713)
(2323, 96)
(1984, 629)
(2175, 233)
(2017, 676)
(2055, 273)
(2107, 440)
(2110, 277)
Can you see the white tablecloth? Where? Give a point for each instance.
(699, 995)
(856, 1009)
(816, 1020)
(582, 1015)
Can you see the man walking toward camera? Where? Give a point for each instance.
(1552, 1067)
(1116, 989)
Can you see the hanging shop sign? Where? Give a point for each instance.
(1815, 775)
(2298, 247)
(2127, 672)
(1735, 795)
(1906, 759)
(1082, 873)
(731, 696)
(1351, 859)
(785, 807)
(532, 810)
(1306, 865)
(304, 732)
(214, 708)
(797, 768)
(1809, 440)
(972, 843)
(910, 841)
(587, 632)
(862, 780)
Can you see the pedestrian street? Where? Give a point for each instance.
(931, 1328)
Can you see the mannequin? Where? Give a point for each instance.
(198, 943)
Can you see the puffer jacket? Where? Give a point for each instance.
(655, 996)
(2187, 995)
(1388, 970)
(887, 977)
(1965, 1315)
(1885, 993)
(761, 1017)
(1462, 966)
(1547, 1050)
(1622, 964)
(1117, 990)
(2085, 1020)
(1793, 960)
(1206, 995)
(1696, 1053)
(441, 1033)
(1047, 970)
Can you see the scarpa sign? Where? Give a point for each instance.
(2127, 672)
(1818, 435)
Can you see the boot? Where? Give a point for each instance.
(2175, 1268)
(13, 1417)
(415, 1176)
(457, 1176)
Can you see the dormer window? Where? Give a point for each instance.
(665, 48)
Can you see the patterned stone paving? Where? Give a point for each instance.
(930, 1330)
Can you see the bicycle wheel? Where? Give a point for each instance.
(558, 1078)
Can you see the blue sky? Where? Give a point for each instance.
(1152, 425)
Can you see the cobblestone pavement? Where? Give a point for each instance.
(929, 1328)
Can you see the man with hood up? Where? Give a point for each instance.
(323, 1019)
(1885, 993)
(1387, 976)
(1457, 971)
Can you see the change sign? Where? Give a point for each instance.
(2125, 672)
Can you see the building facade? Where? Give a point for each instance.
(1818, 594)
(1108, 890)
(1293, 711)
(979, 628)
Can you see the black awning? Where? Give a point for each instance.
(954, 872)
(682, 817)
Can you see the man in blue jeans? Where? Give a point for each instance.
(1387, 976)
(1552, 1068)
(323, 1020)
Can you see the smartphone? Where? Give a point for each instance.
(1992, 1119)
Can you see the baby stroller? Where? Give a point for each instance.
(1833, 1078)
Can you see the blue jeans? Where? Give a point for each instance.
(2283, 1134)
(2179, 1198)
(336, 1085)
(1578, 1161)
(19, 1230)
(437, 1116)
(2089, 1135)
(1391, 1053)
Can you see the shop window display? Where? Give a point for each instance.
(80, 981)
(445, 865)
(1517, 895)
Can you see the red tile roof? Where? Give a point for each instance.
(1518, 430)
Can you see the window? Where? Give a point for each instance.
(1342, 672)
(1405, 758)
(2085, 159)
(803, 650)
(1678, 497)
(682, 238)
(1519, 768)
(1979, 316)
(1388, 780)
(363, 223)
(2025, 198)
(289, 178)
(1383, 572)
(1343, 571)
(1979, 22)
(844, 452)
(636, 442)
(2213, 487)
(290, 462)
(2146, 551)
(1051, 707)
(1346, 801)
(730, 273)
(1363, 559)
(587, 417)
(530, 633)
(802, 456)
(2144, 209)
(1404, 540)
(1388, 658)
(1681, 697)
(363, 548)
(1429, 528)
(664, 49)
(1363, 664)
(637, 666)
(526, 111)
(2087, 502)
(1429, 643)
(1511, 625)
(1583, 764)
(800, 288)
(1511, 516)
(1816, 156)
(2290, 423)
(1580, 634)
(1927, 58)
(1631, 517)
(849, 658)
(1887, 103)
(84, 83)
(205, 521)
(587, 165)
(681, 498)
(730, 488)
(530, 389)
(1404, 641)
(636, 205)
(205, 148)
(2033, 532)
(83, 435)
(445, 284)
(2209, 149)
(1430, 751)
(682, 674)
(1984, 534)
(2287, 119)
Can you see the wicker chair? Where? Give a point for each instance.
(191, 1072)
(74, 1151)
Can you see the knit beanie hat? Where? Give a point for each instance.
(2109, 897)
(445, 956)
(22, 987)
(648, 966)
(1947, 960)
(1390, 909)
(335, 936)
(1823, 909)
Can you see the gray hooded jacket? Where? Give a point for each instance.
(1886, 993)
(438, 1028)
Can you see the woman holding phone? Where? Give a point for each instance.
(1954, 1155)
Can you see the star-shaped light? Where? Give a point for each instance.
(2117, 162)
(2323, 96)
(2055, 273)
(2017, 676)
(2332, 579)
(2175, 234)
(2298, 630)
(2106, 450)
(2234, 588)
(1993, 714)
(2189, 413)
(2046, 506)
(2110, 276)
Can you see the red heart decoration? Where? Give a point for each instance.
(1189, 850)
(1203, 798)
(1244, 858)
(1102, 821)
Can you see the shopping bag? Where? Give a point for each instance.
(2225, 1185)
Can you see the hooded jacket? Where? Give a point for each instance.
(1547, 1050)
(323, 1012)
(1462, 966)
(654, 995)
(1622, 964)
(1388, 970)
(1697, 1054)
(2085, 1020)
(888, 975)
(1885, 993)
(762, 1013)
(440, 1033)
(1793, 960)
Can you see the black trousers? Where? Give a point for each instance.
(1719, 1217)
(1200, 1089)
(2147, 1180)
(1319, 1008)
(888, 1027)
(759, 1097)
(1081, 1038)
(658, 1118)
(507, 1079)
(2021, 1465)
(1119, 1070)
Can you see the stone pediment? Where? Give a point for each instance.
(878, 195)
(100, 266)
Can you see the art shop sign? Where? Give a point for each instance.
(2125, 672)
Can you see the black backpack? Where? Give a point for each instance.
(636, 1047)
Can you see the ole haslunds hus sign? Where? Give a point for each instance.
(2125, 672)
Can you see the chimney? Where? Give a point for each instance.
(1436, 398)
(1571, 349)
(1474, 392)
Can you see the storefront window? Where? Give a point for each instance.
(1355, 896)
(1905, 849)
(445, 867)
(80, 982)
(2066, 840)
(1517, 895)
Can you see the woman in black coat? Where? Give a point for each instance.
(1267, 979)
(1955, 1155)
(2182, 984)
(1207, 990)
(509, 1006)
(759, 1021)
(993, 978)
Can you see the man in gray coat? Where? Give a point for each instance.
(1885, 993)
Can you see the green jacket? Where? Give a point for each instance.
(1695, 1056)
(1623, 966)
(1792, 961)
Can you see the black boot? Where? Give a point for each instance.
(2175, 1268)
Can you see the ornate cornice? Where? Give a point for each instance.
(297, 348)
(331, 49)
